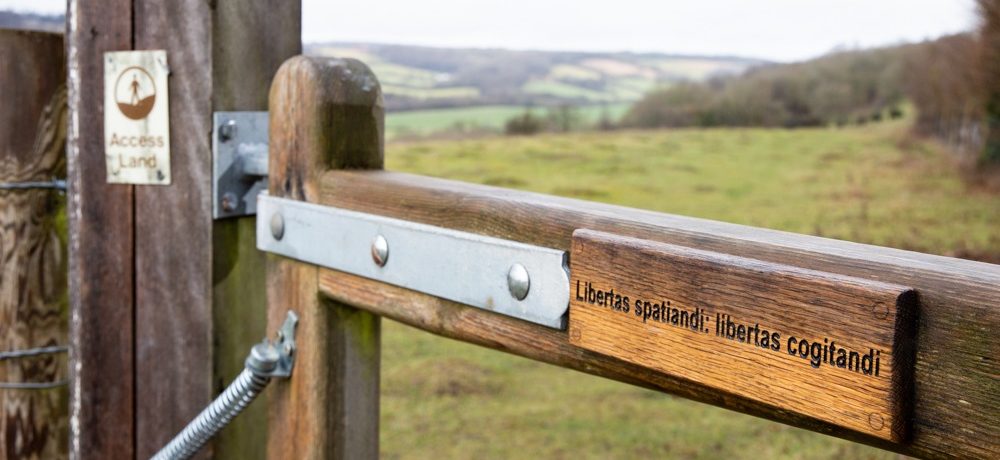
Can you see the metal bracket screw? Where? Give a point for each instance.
(277, 226)
(229, 202)
(518, 281)
(227, 131)
(380, 250)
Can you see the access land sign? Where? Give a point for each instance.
(835, 348)
(137, 117)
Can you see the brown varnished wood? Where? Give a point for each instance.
(510, 335)
(100, 245)
(325, 113)
(955, 373)
(756, 329)
(32, 255)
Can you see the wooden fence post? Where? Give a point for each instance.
(250, 41)
(325, 114)
(165, 301)
(101, 291)
(33, 423)
(199, 282)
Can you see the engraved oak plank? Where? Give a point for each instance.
(832, 347)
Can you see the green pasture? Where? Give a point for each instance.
(566, 90)
(452, 92)
(444, 399)
(481, 119)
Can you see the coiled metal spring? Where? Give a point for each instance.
(266, 360)
(230, 403)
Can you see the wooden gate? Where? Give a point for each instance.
(154, 281)
(923, 383)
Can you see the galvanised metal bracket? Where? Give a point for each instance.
(281, 351)
(507, 277)
(239, 162)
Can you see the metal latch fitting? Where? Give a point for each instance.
(239, 162)
(281, 351)
(507, 277)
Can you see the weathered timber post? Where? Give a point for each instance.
(325, 114)
(33, 422)
(165, 301)
(250, 41)
(101, 280)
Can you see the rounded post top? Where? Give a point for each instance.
(325, 113)
(345, 81)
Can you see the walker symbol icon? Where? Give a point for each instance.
(135, 93)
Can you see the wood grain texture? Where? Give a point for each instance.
(760, 330)
(173, 234)
(325, 113)
(100, 245)
(955, 403)
(33, 303)
(250, 40)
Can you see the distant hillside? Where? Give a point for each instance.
(49, 23)
(416, 77)
(845, 87)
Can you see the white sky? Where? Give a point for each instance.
(771, 29)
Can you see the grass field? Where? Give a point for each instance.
(482, 119)
(443, 399)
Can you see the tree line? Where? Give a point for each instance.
(953, 83)
(841, 88)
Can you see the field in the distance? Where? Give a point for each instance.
(443, 399)
(490, 119)
(416, 77)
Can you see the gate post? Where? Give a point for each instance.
(324, 114)
(165, 301)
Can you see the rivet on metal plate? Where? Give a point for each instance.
(277, 226)
(518, 281)
(380, 250)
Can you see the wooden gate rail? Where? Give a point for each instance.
(957, 373)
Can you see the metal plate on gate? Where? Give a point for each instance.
(507, 277)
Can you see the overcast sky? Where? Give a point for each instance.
(771, 29)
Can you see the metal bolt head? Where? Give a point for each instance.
(263, 357)
(229, 201)
(227, 131)
(518, 282)
(277, 226)
(380, 250)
